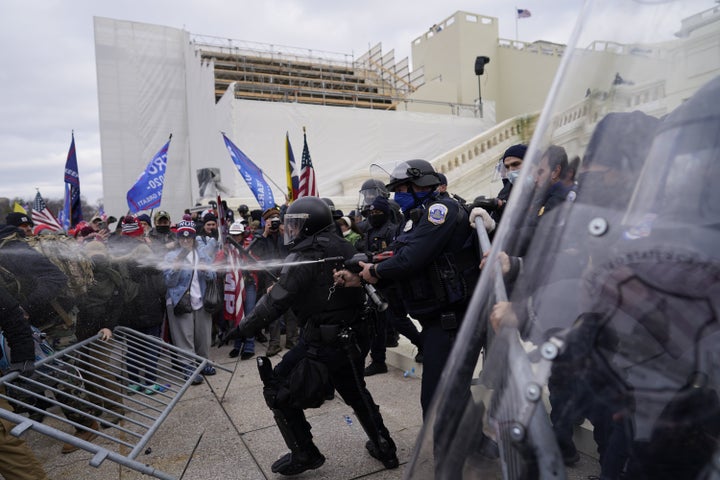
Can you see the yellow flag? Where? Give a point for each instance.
(19, 208)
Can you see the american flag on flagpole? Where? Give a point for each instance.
(523, 13)
(308, 186)
(41, 215)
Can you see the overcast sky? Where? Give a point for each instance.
(48, 82)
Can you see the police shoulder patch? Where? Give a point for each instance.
(437, 212)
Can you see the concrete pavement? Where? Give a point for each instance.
(222, 429)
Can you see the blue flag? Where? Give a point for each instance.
(252, 174)
(72, 210)
(146, 194)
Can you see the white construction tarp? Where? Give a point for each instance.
(152, 83)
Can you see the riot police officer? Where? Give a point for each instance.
(371, 189)
(334, 341)
(434, 266)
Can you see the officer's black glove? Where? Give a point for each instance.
(225, 337)
(244, 330)
(26, 368)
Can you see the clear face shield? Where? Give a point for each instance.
(293, 226)
(367, 196)
(598, 302)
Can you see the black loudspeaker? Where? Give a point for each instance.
(480, 63)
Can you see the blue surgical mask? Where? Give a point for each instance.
(407, 201)
(513, 175)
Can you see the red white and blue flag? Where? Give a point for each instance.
(234, 288)
(308, 185)
(41, 215)
(523, 13)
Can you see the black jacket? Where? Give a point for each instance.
(307, 288)
(435, 266)
(35, 281)
(17, 331)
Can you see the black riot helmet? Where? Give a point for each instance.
(417, 172)
(369, 191)
(305, 217)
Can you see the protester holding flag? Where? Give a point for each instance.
(240, 286)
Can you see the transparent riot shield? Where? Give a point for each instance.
(598, 303)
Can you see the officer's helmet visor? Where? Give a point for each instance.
(293, 225)
(367, 197)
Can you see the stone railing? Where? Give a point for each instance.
(471, 167)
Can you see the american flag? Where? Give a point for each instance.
(308, 186)
(41, 215)
(523, 13)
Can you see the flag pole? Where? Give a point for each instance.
(275, 184)
(516, 24)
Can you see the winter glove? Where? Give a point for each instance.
(488, 222)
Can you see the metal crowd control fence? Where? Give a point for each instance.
(90, 381)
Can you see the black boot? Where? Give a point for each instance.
(384, 450)
(380, 446)
(303, 455)
(295, 462)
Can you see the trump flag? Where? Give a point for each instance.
(146, 194)
(252, 175)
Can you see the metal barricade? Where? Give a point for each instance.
(91, 381)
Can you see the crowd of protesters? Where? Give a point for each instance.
(133, 272)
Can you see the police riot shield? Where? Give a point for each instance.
(596, 314)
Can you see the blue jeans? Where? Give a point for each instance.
(247, 344)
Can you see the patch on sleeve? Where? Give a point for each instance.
(437, 212)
